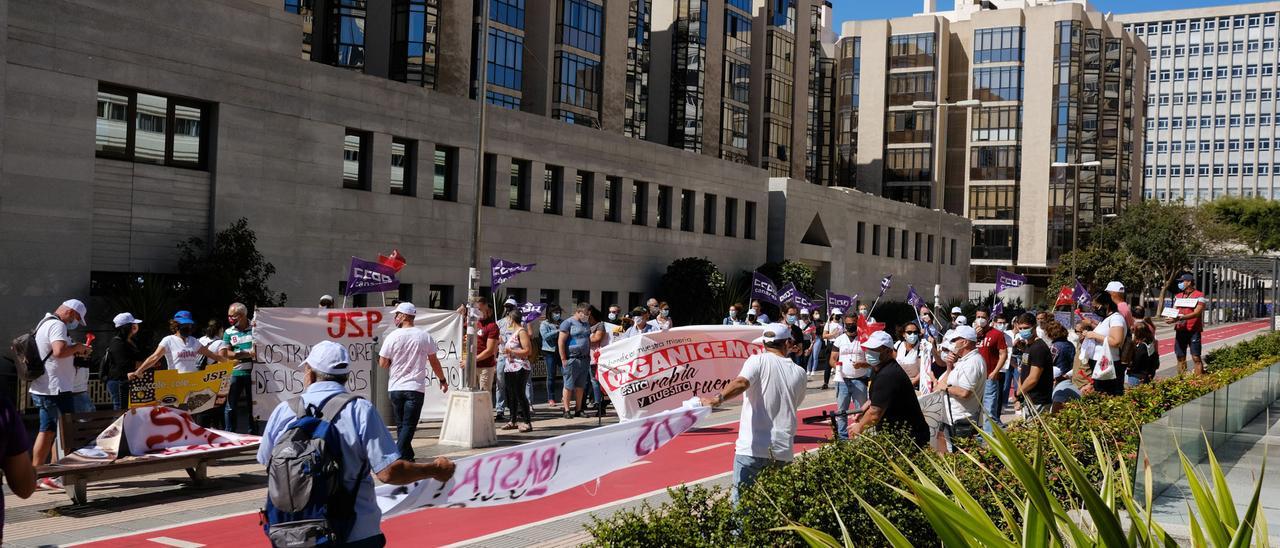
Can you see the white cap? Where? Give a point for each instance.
(1115, 287)
(962, 332)
(804, 311)
(511, 301)
(956, 310)
(78, 306)
(775, 332)
(877, 339)
(124, 318)
(329, 357)
(326, 297)
(406, 308)
(961, 320)
(836, 312)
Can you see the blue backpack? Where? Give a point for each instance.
(307, 503)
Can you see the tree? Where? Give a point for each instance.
(796, 272)
(231, 270)
(1254, 222)
(1160, 238)
(1094, 266)
(692, 287)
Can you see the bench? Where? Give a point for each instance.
(77, 430)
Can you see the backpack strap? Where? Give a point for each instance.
(333, 405)
(298, 407)
(49, 316)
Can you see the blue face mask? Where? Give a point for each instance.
(613, 316)
(556, 316)
(872, 357)
(74, 324)
(913, 338)
(1182, 286)
(1026, 333)
(791, 318)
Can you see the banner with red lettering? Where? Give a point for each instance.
(284, 336)
(658, 371)
(153, 433)
(540, 468)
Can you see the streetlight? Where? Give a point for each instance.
(1075, 203)
(935, 196)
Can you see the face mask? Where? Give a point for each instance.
(862, 312)
(872, 357)
(1074, 337)
(613, 316)
(927, 318)
(1001, 326)
(948, 357)
(816, 317)
(74, 324)
(665, 313)
(1040, 332)
(980, 322)
(1026, 333)
(1182, 286)
(791, 318)
(556, 316)
(850, 327)
(733, 313)
(913, 338)
(636, 319)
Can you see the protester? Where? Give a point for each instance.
(915, 356)
(602, 334)
(892, 401)
(367, 446)
(751, 318)
(575, 348)
(639, 323)
(1011, 371)
(1064, 359)
(1035, 392)
(956, 314)
(995, 352)
(1115, 290)
(808, 329)
(238, 339)
(52, 392)
(791, 316)
(735, 316)
(653, 307)
(486, 342)
(406, 351)
(19, 474)
(1109, 335)
(123, 357)
(963, 384)
(851, 374)
(516, 350)
(772, 389)
(505, 331)
(832, 331)
(818, 344)
(760, 315)
(549, 330)
(81, 401)
(180, 350)
(1188, 325)
(326, 301)
(863, 312)
(1144, 360)
(663, 320)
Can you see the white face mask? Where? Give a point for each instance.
(1040, 332)
(1074, 338)
(613, 316)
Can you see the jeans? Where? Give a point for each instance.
(1011, 379)
(517, 398)
(119, 391)
(241, 391)
(595, 388)
(552, 360)
(848, 391)
(406, 409)
(814, 362)
(52, 407)
(500, 397)
(745, 470)
(992, 403)
(1132, 380)
(83, 403)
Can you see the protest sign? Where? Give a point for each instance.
(370, 277)
(153, 432)
(194, 392)
(540, 468)
(284, 336)
(656, 371)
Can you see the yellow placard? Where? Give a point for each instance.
(194, 392)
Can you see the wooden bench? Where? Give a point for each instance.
(81, 429)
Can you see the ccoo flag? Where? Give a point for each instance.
(763, 288)
(1081, 295)
(369, 277)
(884, 284)
(503, 270)
(1008, 280)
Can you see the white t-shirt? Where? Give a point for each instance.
(850, 354)
(1008, 342)
(833, 328)
(214, 345)
(910, 360)
(409, 349)
(969, 373)
(183, 355)
(1104, 329)
(769, 421)
(59, 373)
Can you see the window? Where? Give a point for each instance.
(749, 222)
(583, 194)
(581, 296)
(993, 241)
(348, 34)
(664, 206)
(505, 59)
(997, 123)
(552, 189)
(893, 242)
(909, 126)
(355, 160)
(608, 299)
(875, 239)
(520, 294)
(518, 193)
(489, 178)
(445, 184)
(862, 236)
(440, 297)
(731, 217)
(507, 12)
(634, 299)
(997, 45)
(580, 25)
(908, 164)
(639, 203)
(414, 42)
(905, 234)
(905, 89)
(918, 246)
(149, 128)
(502, 100)
(577, 81)
(911, 50)
(686, 210)
(953, 252)
(991, 163)
(929, 257)
(997, 84)
(613, 199)
(991, 202)
(708, 213)
(404, 166)
(549, 296)
(360, 300)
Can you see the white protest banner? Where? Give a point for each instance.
(658, 371)
(157, 432)
(537, 469)
(284, 336)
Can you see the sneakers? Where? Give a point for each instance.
(49, 484)
(567, 415)
(551, 403)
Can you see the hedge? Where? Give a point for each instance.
(818, 484)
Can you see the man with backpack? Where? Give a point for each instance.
(319, 450)
(46, 357)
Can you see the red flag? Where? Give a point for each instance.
(865, 329)
(1064, 297)
(393, 261)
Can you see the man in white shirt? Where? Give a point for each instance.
(52, 391)
(964, 384)
(772, 388)
(405, 353)
(831, 331)
(851, 374)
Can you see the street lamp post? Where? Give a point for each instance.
(935, 193)
(1075, 204)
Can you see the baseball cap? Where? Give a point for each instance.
(955, 310)
(406, 308)
(329, 357)
(804, 311)
(775, 332)
(1188, 277)
(78, 306)
(961, 320)
(962, 332)
(124, 318)
(639, 311)
(836, 312)
(511, 301)
(877, 340)
(1115, 287)
(183, 317)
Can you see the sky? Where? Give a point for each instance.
(848, 10)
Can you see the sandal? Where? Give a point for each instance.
(526, 427)
(509, 426)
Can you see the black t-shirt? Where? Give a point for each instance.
(891, 391)
(1038, 355)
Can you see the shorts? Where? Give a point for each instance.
(1065, 391)
(577, 374)
(52, 407)
(1184, 339)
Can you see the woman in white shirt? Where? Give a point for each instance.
(1109, 336)
(915, 355)
(181, 350)
(516, 349)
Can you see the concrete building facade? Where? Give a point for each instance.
(988, 111)
(131, 127)
(1211, 117)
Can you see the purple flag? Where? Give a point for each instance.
(1081, 296)
(505, 270)
(532, 311)
(788, 293)
(763, 288)
(370, 277)
(998, 308)
(914, 299)
(1008, 280)
(836, 300)
(803, 301)
(885, 282)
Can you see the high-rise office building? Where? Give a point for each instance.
(1022, 115)
(1211, 118)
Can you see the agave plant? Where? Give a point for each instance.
(1040, 519)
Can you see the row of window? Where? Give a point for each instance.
(1209, 97)
(1191, 170)
(898, 244)
(1217, 145)
(1220, 120)
(1208, 73)
(1238, 46)
(1196, 25)
(1192, 196)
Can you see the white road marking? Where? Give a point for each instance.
(708, 448)
(634, 464)
(167, 541)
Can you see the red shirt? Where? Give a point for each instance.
(990, 346)
(488, 335)
(1190, 324)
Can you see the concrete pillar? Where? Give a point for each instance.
(623, 188)
(614, 67)
(377, 39)
(651, 201)
(537, 175)
(595, 183)
(539, 56)
(380, 163)
(425, 169)
(464, 171)
(454, 53)
(657, 126)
